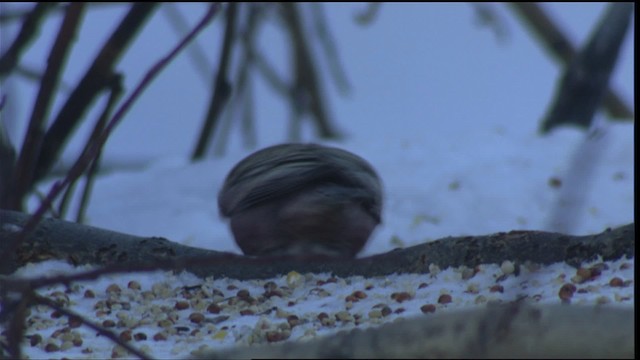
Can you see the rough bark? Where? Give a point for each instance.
(81, 244)
(506, 331)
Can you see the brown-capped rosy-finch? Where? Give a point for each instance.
(302, 199)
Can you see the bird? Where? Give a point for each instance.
(302, 200)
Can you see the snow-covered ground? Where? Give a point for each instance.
(451, 128)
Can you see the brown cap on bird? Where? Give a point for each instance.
(302, 200)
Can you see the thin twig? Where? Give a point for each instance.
(116, 93)
(195, 51)
(328, 44)
(99, 329)
(27, 33)
(270, 75)
(238, 100)
(86, 157)
(306, 91)
(248, 118)
(10, 283)
(222, 89)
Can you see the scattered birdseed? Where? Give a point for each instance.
(182, 314)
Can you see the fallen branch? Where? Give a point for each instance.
(81, 244)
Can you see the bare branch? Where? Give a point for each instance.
(81, 244)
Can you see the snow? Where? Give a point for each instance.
(450, 124)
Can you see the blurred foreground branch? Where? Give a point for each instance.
(586, 78)
(514, 330)
(561, 48)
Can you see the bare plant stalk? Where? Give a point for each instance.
(306, 94)
(583, 85)
(116, 93)
(28, 158)
(328, 44)
(221, 89)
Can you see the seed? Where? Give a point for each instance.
(51, 347)
(74, 322)
(566, 292)
(181, 305)
(275, 336)
(401, 296)
(243, 294)
(214, 309)
(293, 320)
(113, 288)
(428, 308)
(125, 335)
(344, 316)
(35, 339)
(616, 282)
(108, 323)
(507, 267)
(196, 317)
